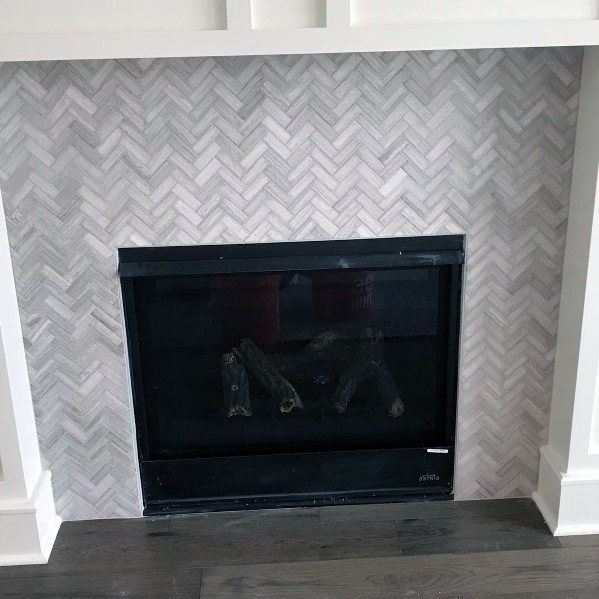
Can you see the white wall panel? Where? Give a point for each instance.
(62, 16)
(285, 14)
(382, 12)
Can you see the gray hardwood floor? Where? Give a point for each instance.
(442, 550)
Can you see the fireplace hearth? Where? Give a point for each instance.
(294, 373)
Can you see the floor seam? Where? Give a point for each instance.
(401, 554)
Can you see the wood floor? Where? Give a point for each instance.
(441, 550)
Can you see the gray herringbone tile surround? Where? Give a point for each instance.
(97, 155)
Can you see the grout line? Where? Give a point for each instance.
(201, 580)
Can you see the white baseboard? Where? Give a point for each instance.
(569, 502)
(548, 516)
(28, 529)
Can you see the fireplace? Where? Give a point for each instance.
(293, 373)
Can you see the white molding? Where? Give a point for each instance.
(96, 29)
(574, 531)
(549, 517)
(338, 14)
(239, 16)
(291, 14)
(569, 502)
(28, 520)
(70, 16)
(548, 494)
(568, 488)
(28, 528)
(239, 41)
(377, 12)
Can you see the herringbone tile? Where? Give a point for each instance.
(100, 154)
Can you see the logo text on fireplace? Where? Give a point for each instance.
(425, 478)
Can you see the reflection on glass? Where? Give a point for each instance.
(301, 361)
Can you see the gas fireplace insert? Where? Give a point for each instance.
(294, 373)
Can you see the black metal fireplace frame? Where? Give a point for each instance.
(234, 482)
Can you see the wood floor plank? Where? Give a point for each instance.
(114, 544)
(350, 551)
(233, 538)
(423, 509)
(521, 530)
(126, 527)
(104, 583)
(592, 593)
(580, 541)
(249, 541)
(441, 576)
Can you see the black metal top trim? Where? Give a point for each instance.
(291, 256)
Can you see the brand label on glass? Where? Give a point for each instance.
(434, 450)
(428, 478)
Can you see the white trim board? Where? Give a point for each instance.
(568, 502)
(330, 39)
(28, 529)
(568, 489)
(28, 520)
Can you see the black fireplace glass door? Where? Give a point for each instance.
(295, 361)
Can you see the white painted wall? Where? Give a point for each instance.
(28, 520)
(568, 492)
